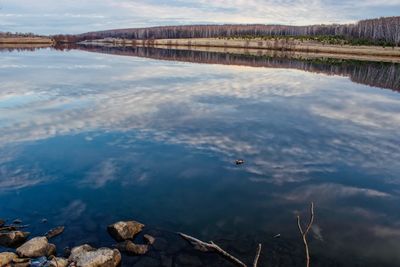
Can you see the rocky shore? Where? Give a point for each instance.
(40, 252)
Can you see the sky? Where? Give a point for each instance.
(78, 16)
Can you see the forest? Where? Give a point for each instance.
(379, 31)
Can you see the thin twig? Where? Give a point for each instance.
(304, 233)
(211, 247)
(255, 264)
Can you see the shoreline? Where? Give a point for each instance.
(8, 41)
(307, 49)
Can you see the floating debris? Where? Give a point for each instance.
(17, 221)
(239, 161)
(277, 236)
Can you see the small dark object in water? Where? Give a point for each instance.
(44, 220)
(67, 252)
(2, 222)
(277, 236)
(17, 221)
(54, 232)
(239, 161)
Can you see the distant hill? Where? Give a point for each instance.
(385, 30)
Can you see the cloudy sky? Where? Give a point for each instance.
(75, 16)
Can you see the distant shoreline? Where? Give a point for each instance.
(26, 41)
(307, 48)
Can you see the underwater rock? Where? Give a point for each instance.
(55, 232)
(149, 239)
(13, 238)
(131, 248)
(36, 247)
(124, 230)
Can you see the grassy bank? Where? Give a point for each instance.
(254, 46)
(25, 40)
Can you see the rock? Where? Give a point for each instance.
(6, 258)
(55, 232)
(13, 238)
(44, 220)
(76, 252)
(2, 222)
(36, 247)
(149, 239)
(122, 231)
(21, 262)
(57, 262)
(102, 257)
(131, 248)
(17, 221)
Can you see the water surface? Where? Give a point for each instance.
(90, 138)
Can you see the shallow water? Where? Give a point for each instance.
(90, 138)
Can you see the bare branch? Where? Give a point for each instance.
(211, 247)
(304, 233)
(255, 264)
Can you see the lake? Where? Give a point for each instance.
(94, 135)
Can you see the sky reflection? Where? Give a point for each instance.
(123, 134)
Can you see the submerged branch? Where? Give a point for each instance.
(305, 232)
(211, 247)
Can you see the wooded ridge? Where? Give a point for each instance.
(379, 31)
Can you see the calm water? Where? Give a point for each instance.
(90, 138)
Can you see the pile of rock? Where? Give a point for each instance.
(39, 252)
(125, 232)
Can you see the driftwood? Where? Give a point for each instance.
(212, 247)
(305, 232)
(255, 263)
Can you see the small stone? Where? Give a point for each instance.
(102, 257)
(149, 239)
(6, 258)
(13, 238)
(122, 231)
(131, 248)
(57, 262)
(17, 221)
(55, 232)
(36, 247)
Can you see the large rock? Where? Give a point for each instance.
(131, 248)
(13, 238)
(77, 252)
(36, 247)
(124, 230)
(86, 256)
(6, 258)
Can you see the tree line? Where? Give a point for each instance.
(385, 30)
